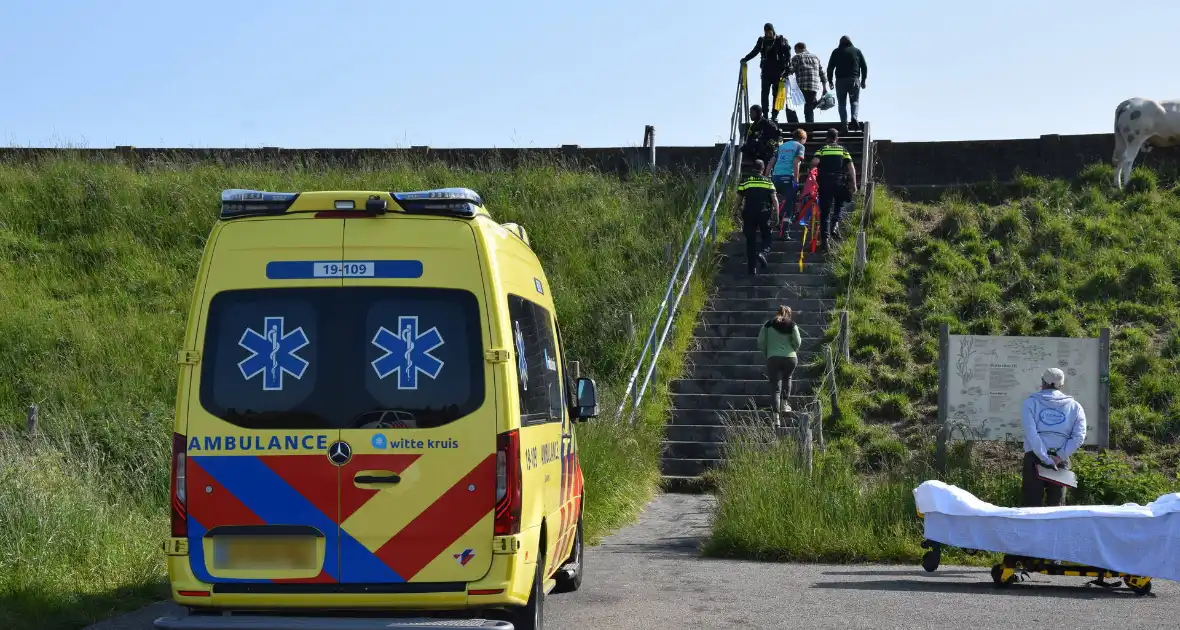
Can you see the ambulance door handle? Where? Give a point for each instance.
(390, 478)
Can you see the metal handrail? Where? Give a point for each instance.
(704, 229)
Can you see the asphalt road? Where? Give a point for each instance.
(650, 576)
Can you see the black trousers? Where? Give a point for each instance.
(770, 94)
(1036, 492)
(810, 100)
(832, 198)
(753, 225)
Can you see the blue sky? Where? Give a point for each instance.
(516, 73)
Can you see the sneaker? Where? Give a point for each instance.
(762, 260)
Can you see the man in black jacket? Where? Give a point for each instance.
(776, 54)
(848, 64)
(762, 139)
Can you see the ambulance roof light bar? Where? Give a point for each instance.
(461, 202)
(240, 202)
(456, 202)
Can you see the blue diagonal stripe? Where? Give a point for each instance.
(361, 566)
(273, 500)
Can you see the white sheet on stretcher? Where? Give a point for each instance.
(1141, 540)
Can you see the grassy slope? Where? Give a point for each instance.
(96, 267)
(1057, 260)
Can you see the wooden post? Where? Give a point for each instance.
(631, 327)
(862, 251)
(649, 141)
(575, 369)
(31, 419)
(667, 252)
(845, 349)
(830, 375)
(944, 378)
(1104, 388)
(805, 440)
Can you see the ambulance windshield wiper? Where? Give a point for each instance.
(386, 418)
(405, 418)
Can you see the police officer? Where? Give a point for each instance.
(836, 177)
(757, 196)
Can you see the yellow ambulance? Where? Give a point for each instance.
(374, 419)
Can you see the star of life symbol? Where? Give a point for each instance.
(273, 353)
(407, 352)
(522, 366)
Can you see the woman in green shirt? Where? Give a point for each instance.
(779, 340)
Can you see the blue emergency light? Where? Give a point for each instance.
(239, 202)
(461, 202)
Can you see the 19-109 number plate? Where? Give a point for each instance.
(349, 269)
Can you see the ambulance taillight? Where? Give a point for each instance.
(179, 498)
(507, 521)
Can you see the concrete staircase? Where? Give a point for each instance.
(726, 372)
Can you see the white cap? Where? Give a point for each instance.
(1054, 377)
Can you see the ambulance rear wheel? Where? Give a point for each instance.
(531, 616)
(570, 580)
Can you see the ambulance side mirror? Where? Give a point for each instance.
(587, 399)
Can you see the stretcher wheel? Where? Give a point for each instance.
(931, 559)
(998, 576)
(1140, 590)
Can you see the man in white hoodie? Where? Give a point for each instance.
(1054, 428)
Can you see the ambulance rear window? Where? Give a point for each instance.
(331, 357)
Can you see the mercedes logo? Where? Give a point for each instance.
(340, 453)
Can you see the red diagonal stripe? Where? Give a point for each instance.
(580, 487)
(353, 498)
(210, 504)
(220, 507)
(312, 476)
(441, 524)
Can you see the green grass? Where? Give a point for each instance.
(97, 262)
(1054, 259)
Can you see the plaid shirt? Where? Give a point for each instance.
(808, 71)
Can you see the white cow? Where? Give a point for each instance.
(1138, 121)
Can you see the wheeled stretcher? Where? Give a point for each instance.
(1126, 542)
